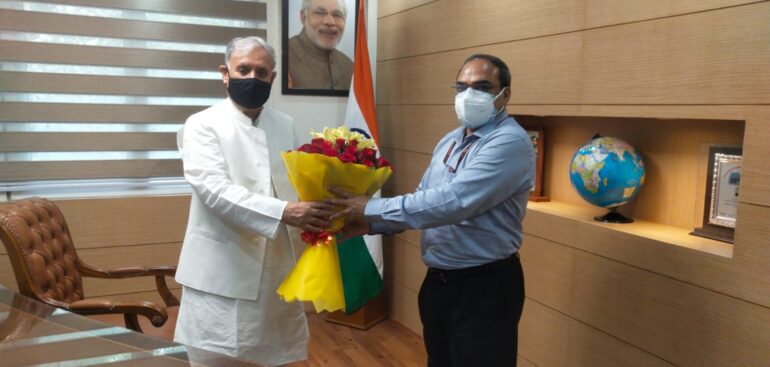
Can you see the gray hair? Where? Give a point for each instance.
(306, 6)
(244, 44)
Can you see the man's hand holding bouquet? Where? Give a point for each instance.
(334, 158)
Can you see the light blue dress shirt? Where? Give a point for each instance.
(471, 200)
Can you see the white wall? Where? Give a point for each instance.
(313, 112)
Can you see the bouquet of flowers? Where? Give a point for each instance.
(335, 157)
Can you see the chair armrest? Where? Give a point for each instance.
(156, 314)
(159, 272)
(127, 272)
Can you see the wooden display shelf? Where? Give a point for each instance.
(671, 235)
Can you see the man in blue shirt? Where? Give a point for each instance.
(470, 202)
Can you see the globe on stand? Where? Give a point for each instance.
(607, 172)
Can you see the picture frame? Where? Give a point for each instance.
(721, 199)
(310, 73)
(537, 136)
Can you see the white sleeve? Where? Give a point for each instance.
(206, 170)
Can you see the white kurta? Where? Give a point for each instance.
(236, 251)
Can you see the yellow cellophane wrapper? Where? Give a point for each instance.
(316, 277)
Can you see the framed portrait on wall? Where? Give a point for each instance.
(537, 136)
(318, 46)
(723, 178)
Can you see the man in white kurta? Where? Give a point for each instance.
(238, 247)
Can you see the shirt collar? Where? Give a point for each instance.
(488, 127)
(459, 133)
(239, 116)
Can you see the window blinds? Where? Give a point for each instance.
(95, 90)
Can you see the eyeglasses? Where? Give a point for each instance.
(460, 159)
(483, 86)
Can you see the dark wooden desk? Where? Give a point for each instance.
(33, 333)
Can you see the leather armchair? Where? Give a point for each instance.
(47, 268)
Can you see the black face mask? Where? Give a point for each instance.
(248, 93)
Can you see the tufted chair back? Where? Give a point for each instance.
(40, 248)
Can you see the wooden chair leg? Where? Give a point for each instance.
(132, 322)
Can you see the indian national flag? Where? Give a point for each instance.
(361, 257)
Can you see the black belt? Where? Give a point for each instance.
(447, 276)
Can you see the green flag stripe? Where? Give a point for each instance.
(360, 279)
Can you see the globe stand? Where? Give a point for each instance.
(613, 217)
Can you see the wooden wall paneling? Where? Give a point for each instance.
(111, 258)
(418, 80)
(543, 70)
(691, 59)
(386, 8)
(542, 223)
(550, 338)
(551, 283)
(676, 321)
(743, 275)
(427, 29)
(415, 128)
(752, 254)
(712, 112)
(408, 168)
(408, 268)
(602, 13)
(522, 362)
(543, 332)
(117, 257)
(102, 222)
(402, 305)
(755, 177)
(638, 63)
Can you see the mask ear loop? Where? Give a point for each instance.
(498, 96)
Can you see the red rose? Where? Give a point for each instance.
(347, 158)
(330, 152)
(368, 153)
(317, 141)
(340, 144)
(382, 162)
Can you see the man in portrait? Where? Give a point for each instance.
(314, 61)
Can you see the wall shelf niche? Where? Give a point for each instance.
(675, 153)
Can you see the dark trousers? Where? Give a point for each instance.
(470, 316)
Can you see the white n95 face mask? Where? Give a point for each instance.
(475, 108)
